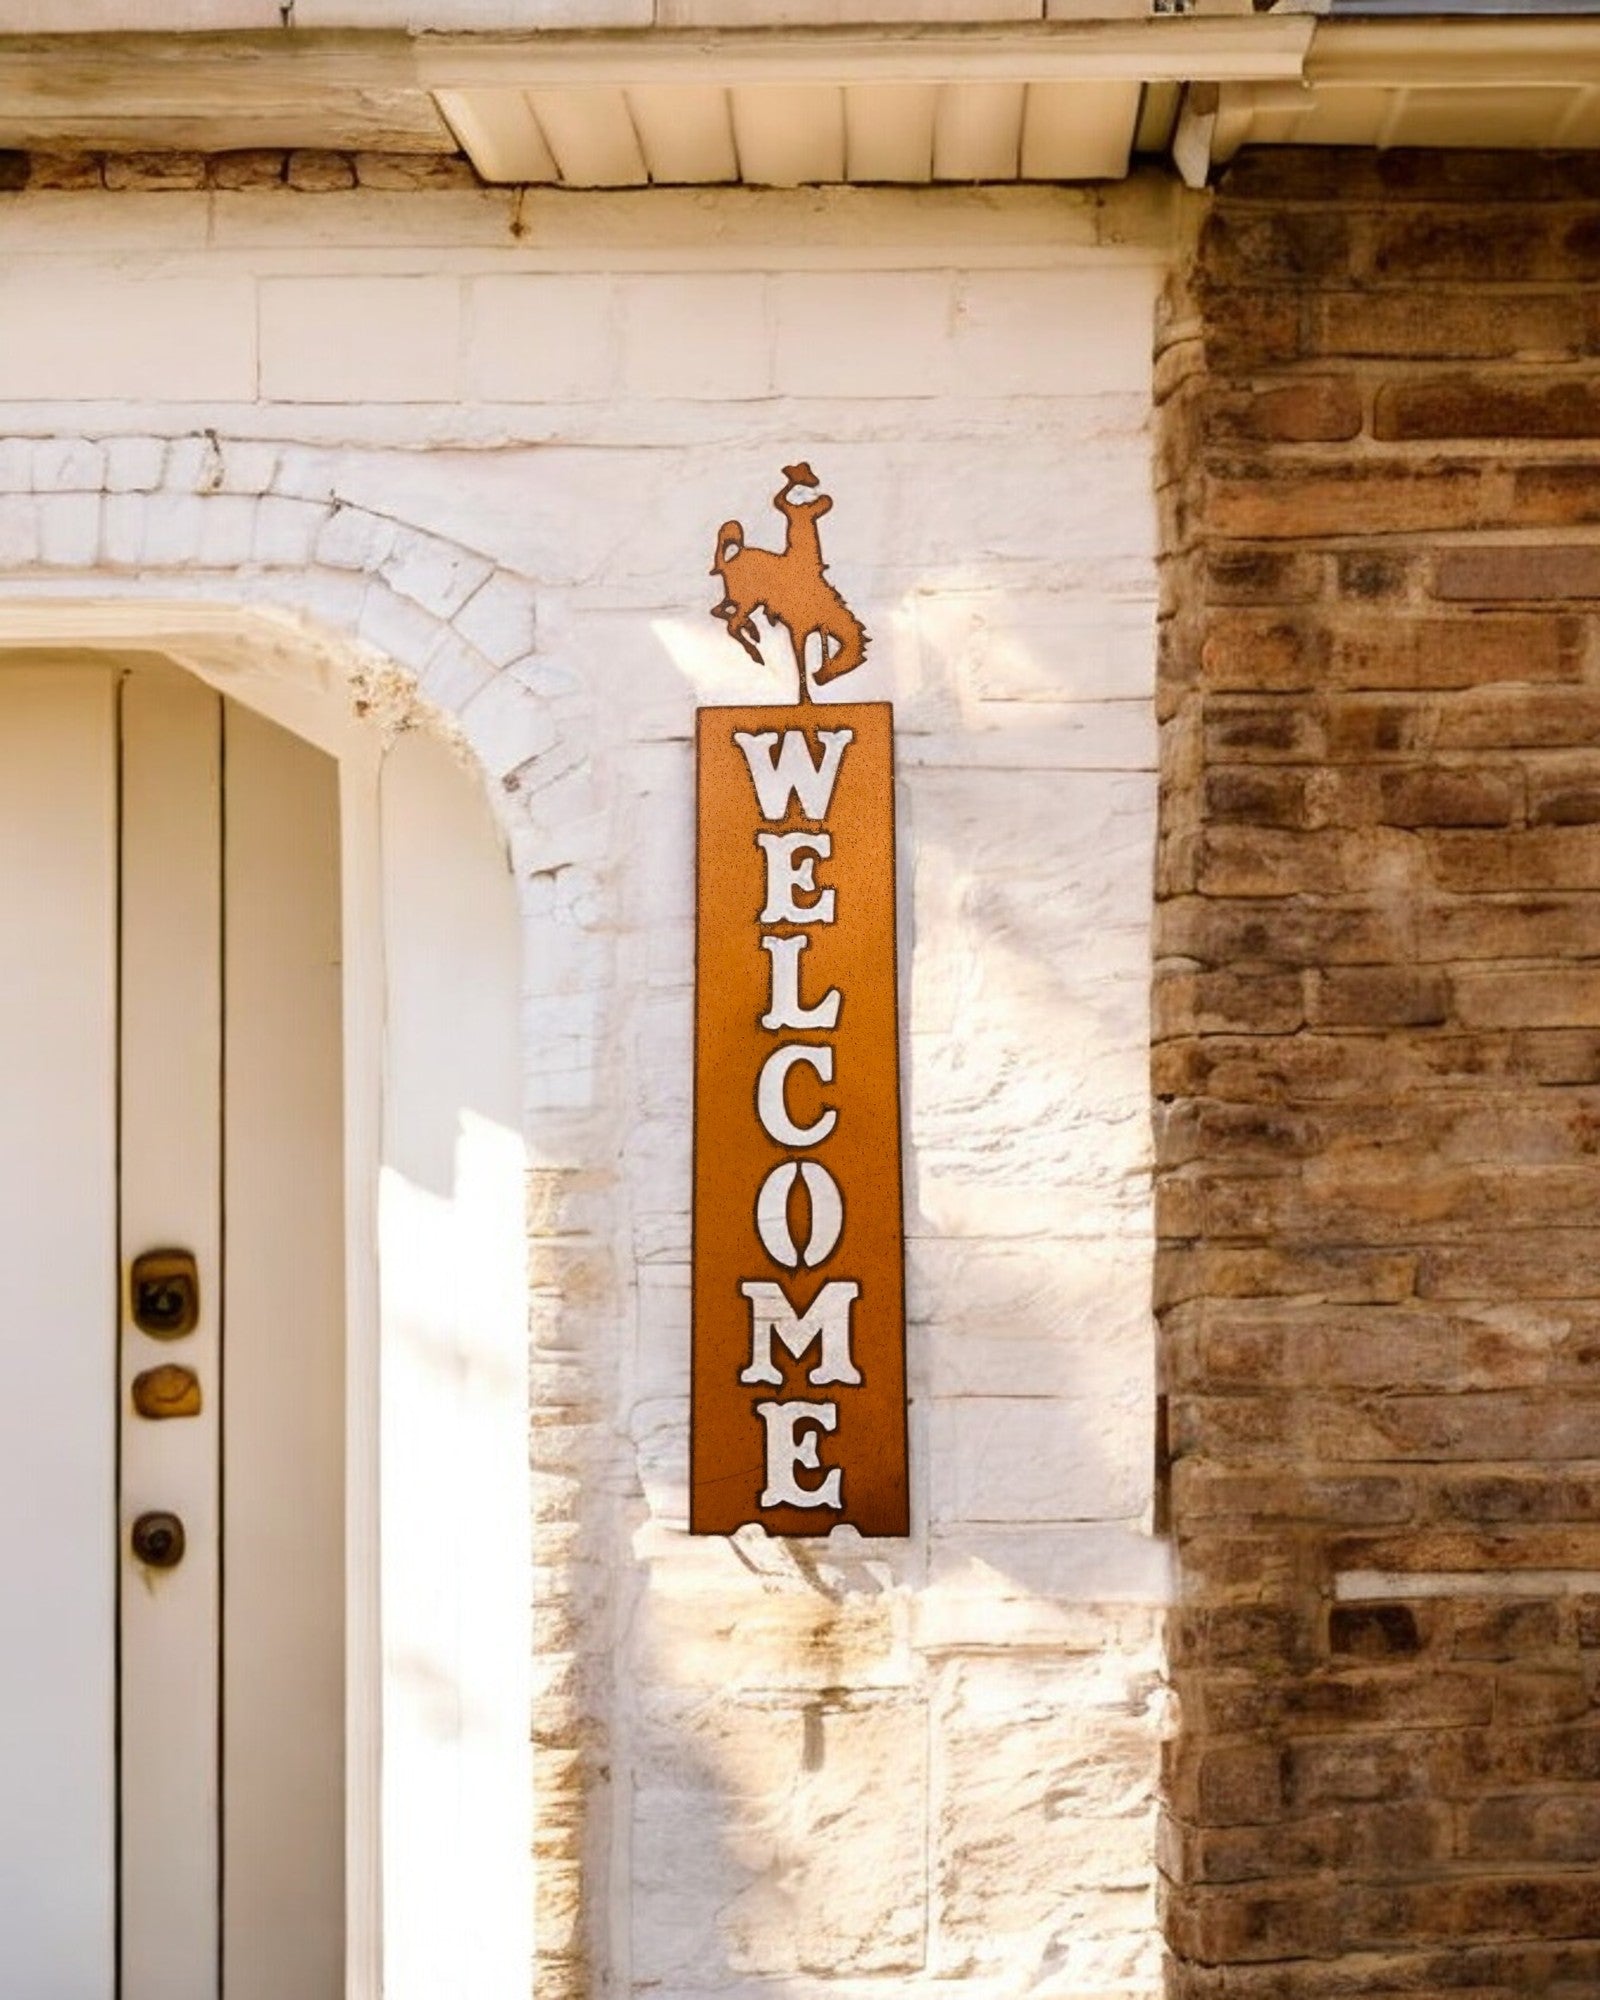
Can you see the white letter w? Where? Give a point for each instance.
(791, 773)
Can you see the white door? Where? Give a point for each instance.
(171, 1461)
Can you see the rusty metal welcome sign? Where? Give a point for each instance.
(799, 1414)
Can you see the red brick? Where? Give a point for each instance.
(1523, 1905)
(1555, 325)
(1563, 798)
(1305, 409)
(1246, 575)
(1454, 652)
(1509, 1630)
(1485, 246)
(1467, 405)
(1401, 174)
(1248, 650)
(1535, 1264)
(1522, 926)
(1538, 858)
(1252, 797)
(1280, 500)
(1279, 249)
(1261, 732)
(1445, 797)
(1526, 573)
(1377, 997)
(1549, 997)
(1270, 861)
(1247, 329)
(1375, 576)
(1513, 718)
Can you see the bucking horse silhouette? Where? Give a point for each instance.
(789, 586)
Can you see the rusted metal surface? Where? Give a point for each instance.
(798, 1234)
(790, 586)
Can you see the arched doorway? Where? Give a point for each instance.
(261, 1012)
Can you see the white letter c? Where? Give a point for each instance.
(770, 1106)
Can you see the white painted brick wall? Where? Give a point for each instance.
(494, 441)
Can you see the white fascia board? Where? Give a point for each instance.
(1180, 49)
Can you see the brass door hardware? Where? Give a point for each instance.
(158, 1540)
(164, 1293)
(167, 1392)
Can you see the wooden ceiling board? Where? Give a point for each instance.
(1078, 131)
(977, 131)
(889, 131)
(589, 130)
(789, 135)
(685, 133)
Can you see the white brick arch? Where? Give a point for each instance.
(256, 523)
(412, 659)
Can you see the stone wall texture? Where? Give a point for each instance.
(1378, 1065)
(486, 437)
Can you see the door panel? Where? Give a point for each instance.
(283, 1452)
(171, 1197)
(202, 1704)
(59, 1397)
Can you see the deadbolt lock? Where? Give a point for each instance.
(158, 1540)
(164, 1293)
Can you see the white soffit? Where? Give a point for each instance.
(1519, 83)
(917, 105)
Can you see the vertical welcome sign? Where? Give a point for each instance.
(798, 1415)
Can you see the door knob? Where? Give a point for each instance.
(164, 1292)
(158, 1540)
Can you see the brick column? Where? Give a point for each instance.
(1378, 1064)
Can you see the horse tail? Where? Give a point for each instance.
(852, 637)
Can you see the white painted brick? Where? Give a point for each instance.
(359, 340)
(395, 626)
(122, 529)
(498, 619)
(1055, 333)
(171, 528)
(16, 465)
(1002, 558)
(133, 464)
(69, 529)
(227, 531)
(1008, 1458)
(19, 531)
(507, 726)
(540, 339)
(453, 672)
(352, 538)
(433, 573)
(174, 339)
(81, 227)
(286, 531)
(194, 463)
(704, 335)
(68, 465)
(248, 466)
(780, 1776)
(870, 333)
